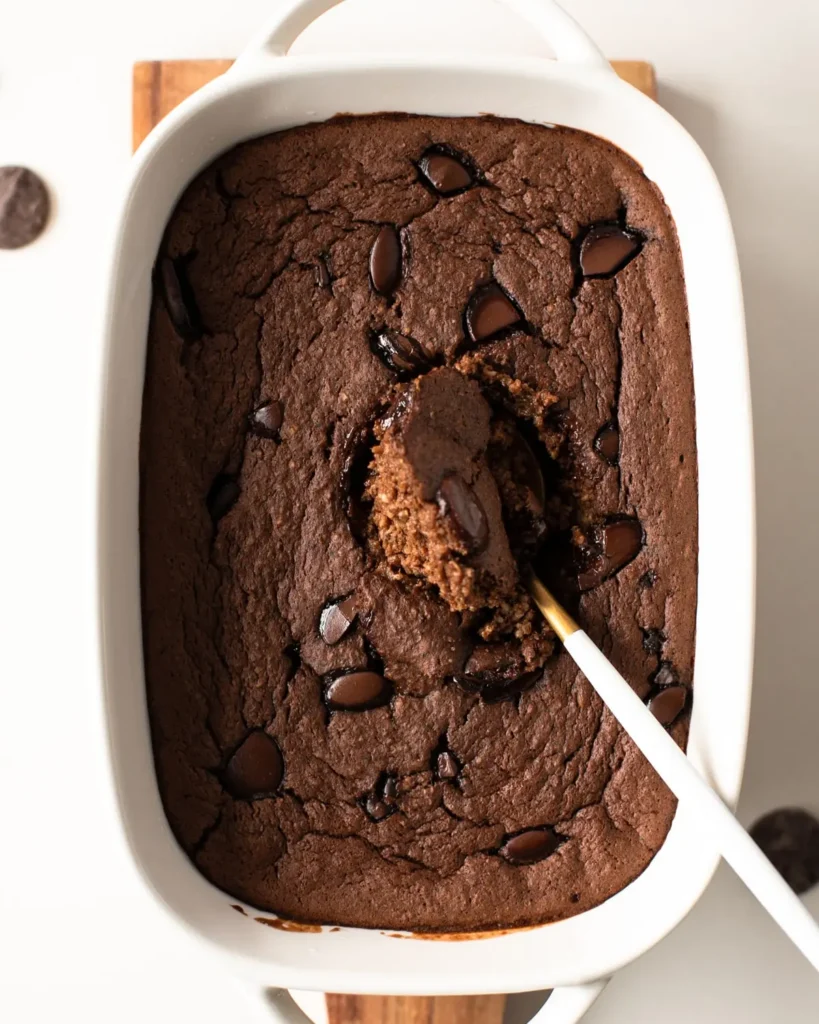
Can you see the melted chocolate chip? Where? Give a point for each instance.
(24, 207)
(527, 471)
(323, 279)
(606, 249)
(458, 502)
(613, 547)
(445, 172)
(380, 803)
(665, 675)
(223, 495)
(389, 787)
(531, 846)
(376, 808)
(358, 691)
(256, 768)
(386, 261)
(489, 312)
(336, 619)
(179, 299)
(494, 687)
(789, 838)
(402, 354)
(653, 640)
(607, 444)
(266, 421)
(668, 704)
(446, 766)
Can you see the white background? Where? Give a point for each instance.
(77, 940)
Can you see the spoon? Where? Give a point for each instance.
(683, 779)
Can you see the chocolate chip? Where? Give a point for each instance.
(386, 260)
(789, 838)
(179, 299)
(613, 547)
(323, 279)
(358, 691)
(336, 619)
(256, 768)
(266, 421)
(389, 788)
(648, 579)
(665, 675)
(446, 766)
(531, 846)
(607, 444)
(222, 496)
(668, 704)
(399, 352)
(497, 686)
(458, 502)
(376, 808)
(445, 172)
(24, 207)
(527, 470)
(606, 249)
(653, 640)
(489, 312)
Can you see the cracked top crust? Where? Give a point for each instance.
(334, 741)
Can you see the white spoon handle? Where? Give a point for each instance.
(685, 782)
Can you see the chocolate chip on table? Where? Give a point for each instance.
(179, 299)
(789, 838)
(399, 352)
(458, 502)
(24, 207)
(614, 546)
(489, 312)
(266, 421)
(222, 496)
(606, 249)
(336, 619)
(446, 766)
(445, 172)
(531, 846)
(256, 768)
(607, 444)
(653, 640)
(358, 691)
(323, 279)
(386, 260)
(668, 704)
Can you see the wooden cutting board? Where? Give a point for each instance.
(159, 86)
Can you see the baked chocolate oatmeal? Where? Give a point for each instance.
(393, 361)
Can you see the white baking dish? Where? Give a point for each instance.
(267, 91)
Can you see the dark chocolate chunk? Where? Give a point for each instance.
(613, 547)
(266, 421)
(400, 353)
(668, 704)
(323, 279)
(531, 846)
(445, 172)
(648, 579)
(389, 788)
(489, 312)
(223, 495)
(179, 299)
(606, 249)
(607, 444)
(446, 766)
(256, 768)
(376, 808)
(24, 207)
(494, 687)
(457, 501)
(386, 261)
(653, 640)
(336, 619)
(789, 838)
(358, 691)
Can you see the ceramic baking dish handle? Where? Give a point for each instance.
(564, 1005)
(565, 37)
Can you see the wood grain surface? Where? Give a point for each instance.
(159, 86)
